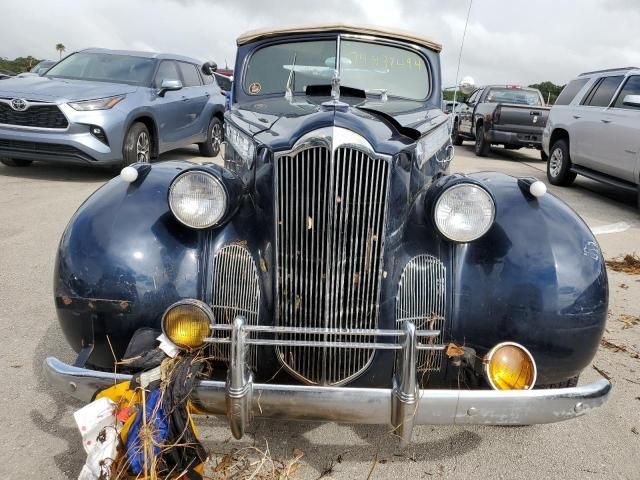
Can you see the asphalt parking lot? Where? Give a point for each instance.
(38, 434)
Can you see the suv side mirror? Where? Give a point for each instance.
(209, 67)
(631, 100)
(169, 86)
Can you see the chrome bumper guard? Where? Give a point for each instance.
(402, 406)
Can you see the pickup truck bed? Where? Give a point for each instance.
(489, 121)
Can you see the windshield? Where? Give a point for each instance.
(514, 95)
(366, 66)
(105, 67)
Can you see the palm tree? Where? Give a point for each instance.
(60, 48)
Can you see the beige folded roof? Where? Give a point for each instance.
(339, 27)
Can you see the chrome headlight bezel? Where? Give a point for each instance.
(187, 302)
(215, 182)
(461, 237)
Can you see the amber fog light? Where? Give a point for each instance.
(510, 366)
(187, 323)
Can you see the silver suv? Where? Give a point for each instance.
(110, 108)
(594, 130)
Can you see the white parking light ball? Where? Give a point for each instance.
(129, 174)
(538, 188)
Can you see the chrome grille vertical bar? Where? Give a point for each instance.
(421, 299)
(236, 292)
(329, 250)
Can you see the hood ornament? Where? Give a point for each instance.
(291, 80)
(335, 85)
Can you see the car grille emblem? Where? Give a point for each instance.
(19, 104)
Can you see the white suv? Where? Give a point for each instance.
(594, 130)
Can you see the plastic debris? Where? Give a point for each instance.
(99, 428)
(167, 346)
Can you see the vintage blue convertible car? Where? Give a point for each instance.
(334, 269)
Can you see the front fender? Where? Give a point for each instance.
(537, 278)
(122, 259)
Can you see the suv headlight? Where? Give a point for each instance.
(464, 212)
(97, 104)
(198, 199)
(241, 143)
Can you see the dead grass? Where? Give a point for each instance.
(252, 463)
(629, 321)
(629, 263)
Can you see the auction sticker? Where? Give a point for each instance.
(254, 88)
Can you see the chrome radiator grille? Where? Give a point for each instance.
(236, 291)
(422, 300)
(330, 216)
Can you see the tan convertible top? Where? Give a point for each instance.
(253, 35)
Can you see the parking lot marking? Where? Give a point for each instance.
(611, 228)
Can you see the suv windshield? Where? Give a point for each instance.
(105, 67)
(371, 67)
(514, 95)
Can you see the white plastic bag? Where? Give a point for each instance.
(99, 428)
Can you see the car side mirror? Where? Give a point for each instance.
(169, 86)
(631, 100)
(209, 67)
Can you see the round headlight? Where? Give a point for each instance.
(197, 199)
(464, 212)
(187, 323)
(510, 366)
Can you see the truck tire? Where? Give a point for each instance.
(559, 165)
(215, 137)
(543, 156)
(455, 134)
(137, 145)
(482, 146)
(14, 162)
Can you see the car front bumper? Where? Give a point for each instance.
(74, 144)
(403, 406)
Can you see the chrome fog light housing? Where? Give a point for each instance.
(510, 366)
(187, 323)
(464, 212)
(198, 199)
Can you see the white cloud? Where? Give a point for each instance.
(517, 41)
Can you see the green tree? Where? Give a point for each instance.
(60, 48)
(18, 65)
(549, 90)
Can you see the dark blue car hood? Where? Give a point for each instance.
(389, 126)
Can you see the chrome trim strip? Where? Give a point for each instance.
(365, 405)
(324, 344)
(30, 103)
(333, 331)
(37, 129)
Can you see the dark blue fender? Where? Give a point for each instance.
(537, 278)
(122, 260)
